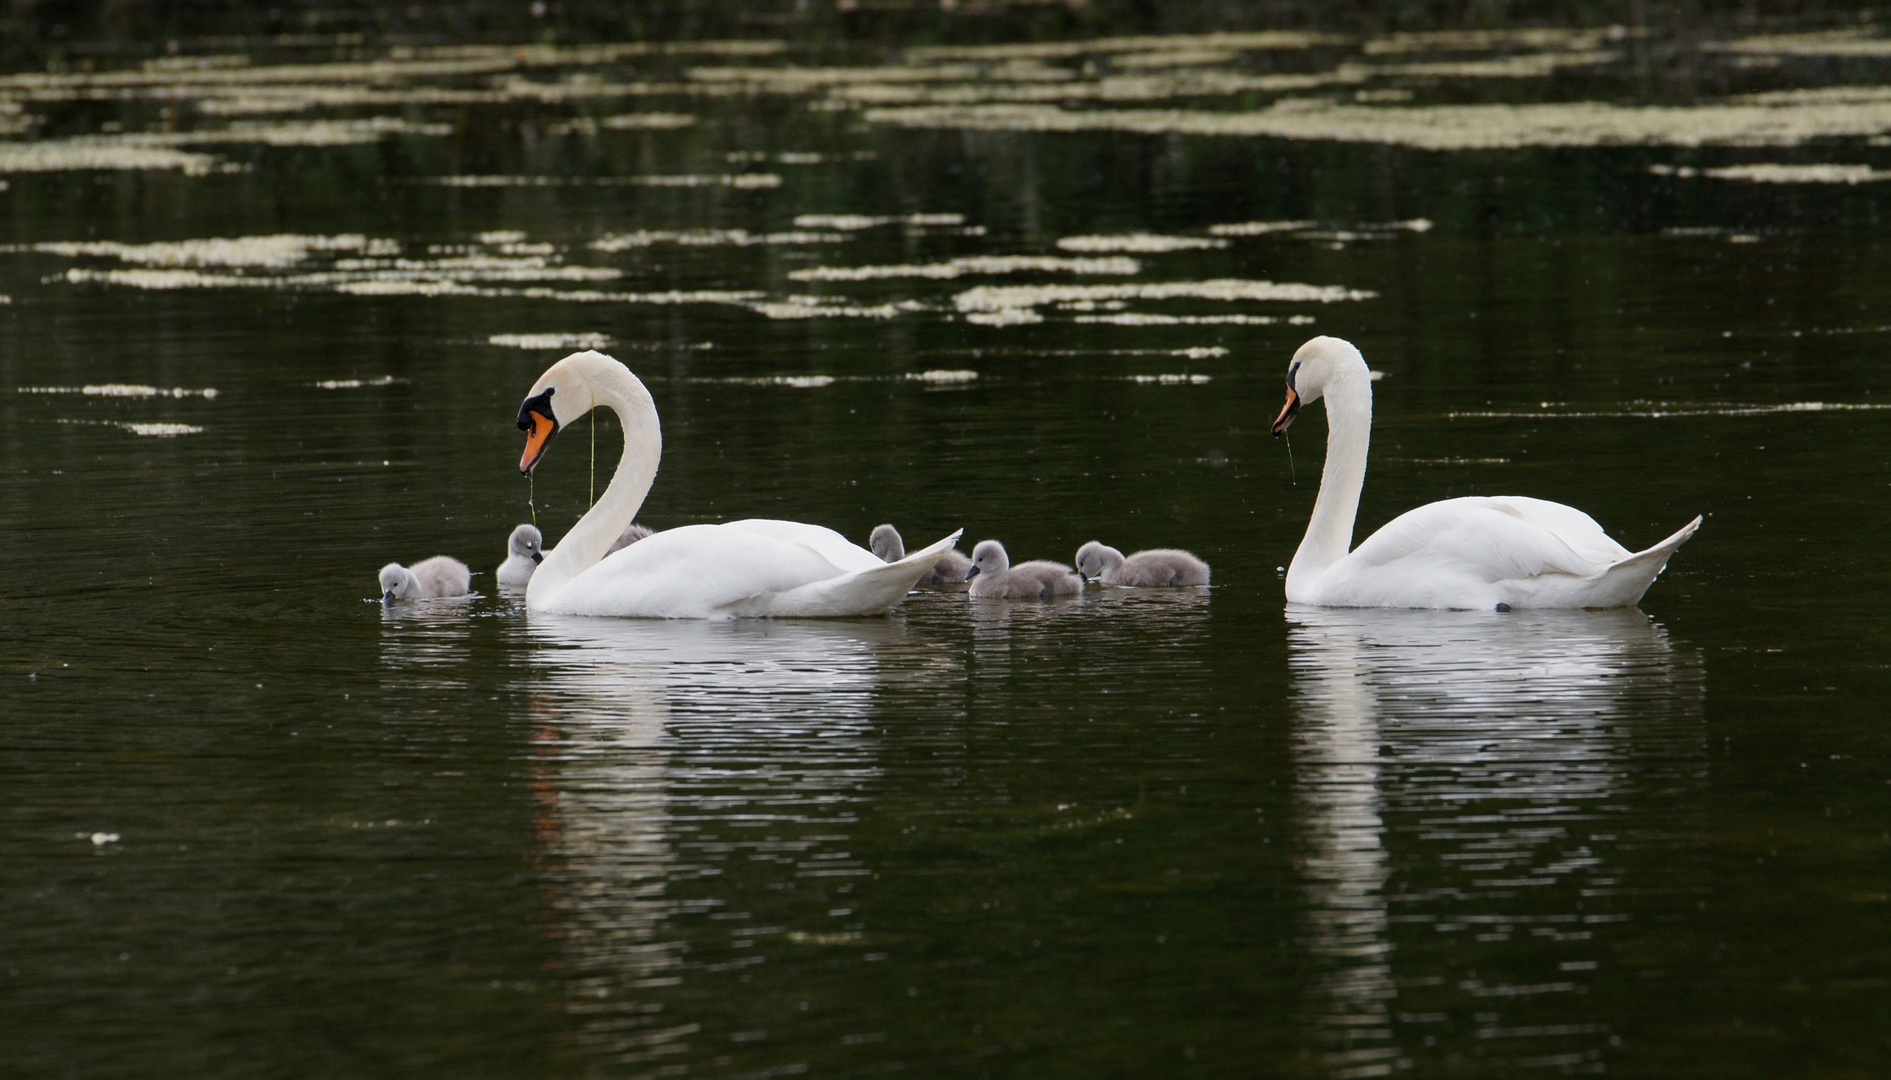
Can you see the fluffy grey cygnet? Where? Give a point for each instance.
(1157, 566)
(427, 579)
(524, 551)
(993, 575)
(633, 532)
(886, 543)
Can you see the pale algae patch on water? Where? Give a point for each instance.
(710, 238)
(855, 222)
(1013, 305)
(126, 390)
(271, 251)
(1780, 174)
(1665, 410)
(971, 265)
(1254, 41)
(1839, 43)
(357, 384)
(551, 341)
(739, 181)
(1139, 243)
(1440, 127)
(156, 151)
(1258, 228)
(162, 429)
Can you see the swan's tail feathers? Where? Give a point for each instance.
(1623, 584)
(873, 591)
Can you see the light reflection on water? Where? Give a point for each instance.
(1456, 772)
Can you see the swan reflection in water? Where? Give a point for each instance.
(1449, 771)
(664, 749)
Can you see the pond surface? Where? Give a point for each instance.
(269, 314)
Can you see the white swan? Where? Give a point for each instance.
(1502, 551)
(428, 579)
(756, 567)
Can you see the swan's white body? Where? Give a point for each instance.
(756, 567)
(1459, 553)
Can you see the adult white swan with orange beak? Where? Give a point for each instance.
(756, 567)
(1499, 552)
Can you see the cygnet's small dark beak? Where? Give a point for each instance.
(389, 598)
(972, 573)
(538, 556)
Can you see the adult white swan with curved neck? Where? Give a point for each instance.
(756, 567)
(1502, 551)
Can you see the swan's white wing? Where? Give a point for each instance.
(693, 571)
(834, 547)
(1491, 539)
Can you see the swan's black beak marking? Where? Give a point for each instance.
(538, 556)
(539, 424)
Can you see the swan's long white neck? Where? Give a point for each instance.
(610, 386)
(1349, 433)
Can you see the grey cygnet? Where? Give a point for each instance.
(427, 579)
(993, 575)
(633, 532)
(1157, 566)
(524, 551)
(952, 566)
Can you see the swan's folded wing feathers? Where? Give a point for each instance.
(1498, 538)
(835, 548)
(694, 571)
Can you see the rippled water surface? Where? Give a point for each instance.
(269, 312)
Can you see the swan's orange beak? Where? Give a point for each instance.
(538, 436)
(1288, 413)
(539, 423)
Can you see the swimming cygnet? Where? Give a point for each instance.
(886, 543)
(523, 554)
(633, 532)
(1157, 566)
(441, 575)
(525, 549)
(993, 575)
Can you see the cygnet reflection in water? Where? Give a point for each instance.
(1097, 561)
(1450, 769)
(888, 545)
(427, 579)
(992, 576)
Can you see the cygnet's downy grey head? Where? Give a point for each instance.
(988, 558)
(396, 581)
(526, 542)
(886, 543)
(1095, 557)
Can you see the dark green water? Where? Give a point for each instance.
(256, 824)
